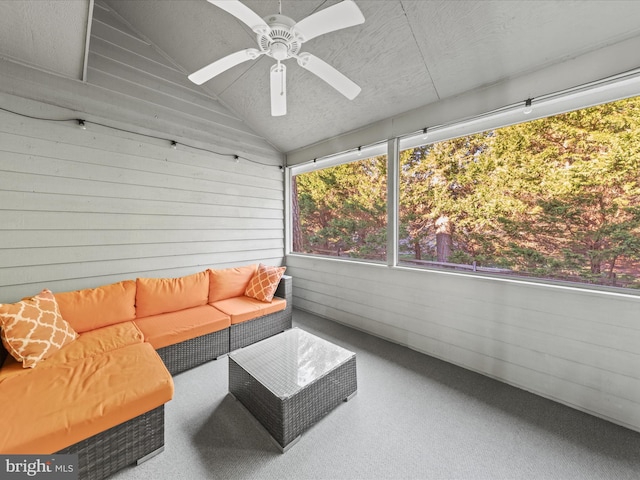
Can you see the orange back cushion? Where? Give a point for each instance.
(162, 295)
(230, 282)
(93, 308)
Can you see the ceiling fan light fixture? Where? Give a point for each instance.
(279, 51)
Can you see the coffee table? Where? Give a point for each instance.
(290, 381)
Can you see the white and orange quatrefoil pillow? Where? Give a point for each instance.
(33, 328)
(264, 283)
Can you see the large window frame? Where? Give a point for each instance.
(596, 93)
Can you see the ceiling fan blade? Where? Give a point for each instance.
(329, 74)
(278, 90)
(341, 15)
(225, 63)
(244, 14)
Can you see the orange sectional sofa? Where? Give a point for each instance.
(99, 385)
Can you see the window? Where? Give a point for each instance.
(342, 210)
(553, 198)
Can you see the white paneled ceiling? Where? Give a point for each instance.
(407, 54)
(467, 44)
(51, 36)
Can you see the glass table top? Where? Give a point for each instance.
(289, 361)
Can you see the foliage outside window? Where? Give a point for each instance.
(342, 210)
(555, 198)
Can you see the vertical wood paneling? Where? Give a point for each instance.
(572, 345)
(82, 208)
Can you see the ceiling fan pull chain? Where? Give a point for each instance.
(280, 7)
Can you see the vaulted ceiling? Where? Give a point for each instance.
(407, 54)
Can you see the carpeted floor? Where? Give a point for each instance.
(414, 417)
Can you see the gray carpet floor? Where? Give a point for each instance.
(414, 417)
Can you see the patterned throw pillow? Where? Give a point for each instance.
(264, 283)
(33, 328)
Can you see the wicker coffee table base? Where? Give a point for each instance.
(286, 419)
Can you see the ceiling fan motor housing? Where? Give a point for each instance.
(280, 43)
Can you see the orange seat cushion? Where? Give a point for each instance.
(93, 308)
(33, 329)
(175, 327)
(86, 345)
(52, 408)
(229, 282)
(162, 295)
(241, 309)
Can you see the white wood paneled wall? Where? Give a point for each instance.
(572, 345)
(81, 208)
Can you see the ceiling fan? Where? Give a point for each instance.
(281, 38)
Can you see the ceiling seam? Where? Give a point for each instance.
(424, 61)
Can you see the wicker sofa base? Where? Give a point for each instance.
(195, 351)
(107, 452)
(246, 333)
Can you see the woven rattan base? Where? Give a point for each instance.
(109, 451)
(287, 418)
(196, 351)
(252, 331)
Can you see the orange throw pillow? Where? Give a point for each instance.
(33, 328)
(264, 283)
